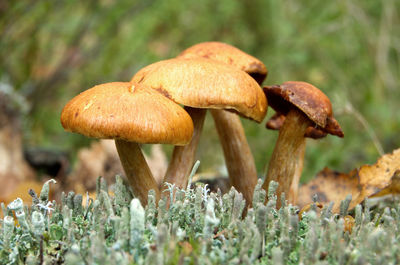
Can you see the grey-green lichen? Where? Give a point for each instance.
(198, 227)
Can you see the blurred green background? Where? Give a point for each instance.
(52, 50)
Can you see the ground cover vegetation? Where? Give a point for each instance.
(198, 227)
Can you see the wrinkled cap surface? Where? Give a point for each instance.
(307, 98)
(277, 120)
(228, 54)
(127, 111)
(203, 83)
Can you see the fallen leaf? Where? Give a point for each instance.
(329, 186)
(393, 188)
(308, 207)
(370, 180)
(349, 222)
(21, 191)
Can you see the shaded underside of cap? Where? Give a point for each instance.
(307, 98)
(122, 110)
(203, 83)
(277, 120)
(228, 54)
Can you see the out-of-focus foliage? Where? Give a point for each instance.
(52, 50)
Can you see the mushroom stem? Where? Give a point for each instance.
(287, 152)
(293, 192)
(136, 169)
(238, 157)
(183, 156)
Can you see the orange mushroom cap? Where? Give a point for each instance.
(127, 111)
(202, 83)
(228, 54)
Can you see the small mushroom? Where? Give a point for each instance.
(228, 54)
(131, 114)
(304, 106)
(275, 123)
(202, 84)
(238, 157)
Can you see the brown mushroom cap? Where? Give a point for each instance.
(127, 111)
(203, 83)
(307, 98)
(277, 120)
(228, 54)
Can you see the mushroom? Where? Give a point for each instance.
(201, 84)
(228, 54)
(275, 123)
(131, 114)
(303, 105)
(238, 157)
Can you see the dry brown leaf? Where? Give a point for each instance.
(21, 191)
(330, 186)
(349, 222)
(379, 179)
(308, 207)
(393, 188)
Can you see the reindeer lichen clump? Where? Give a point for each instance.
(197, 226)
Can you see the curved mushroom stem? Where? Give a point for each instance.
(136, 169)
(294, 188)
(287, 152)
(238, 157)
(183, 156)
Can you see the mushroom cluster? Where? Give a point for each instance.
(214, 76)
